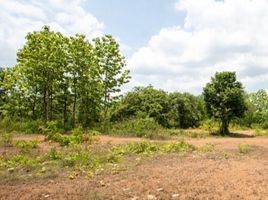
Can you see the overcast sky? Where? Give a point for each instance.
(171, 44)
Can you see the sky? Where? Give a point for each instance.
(175, 45)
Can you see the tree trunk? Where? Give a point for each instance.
(74, 108)
(65, 108)
(224, 127)
(51, 104)
(45, 104)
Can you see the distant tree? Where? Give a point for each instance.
(224, 99)
(143, 102)
(257, 112)
(185, 110)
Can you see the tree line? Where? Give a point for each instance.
(223, 100)
(69, 79)
(75, 81)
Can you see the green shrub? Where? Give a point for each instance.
(26, 146)
(54, 154)
(244, 148)
(27, 127)
(77, 136)
(151, 148)
(6, 139)
(136, 127)
(209, 125)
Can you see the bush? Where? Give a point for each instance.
(209, 125)
(136, 127)
(26, 146)
(27, 127)
(244, 148)
(78, 135)
(6, 139)
(149, 148)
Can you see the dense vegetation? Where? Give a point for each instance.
(73, 82)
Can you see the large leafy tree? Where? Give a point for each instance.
(111, 64)
(41, 62)
(224, 99)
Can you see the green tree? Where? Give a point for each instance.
(41, 63)
(144, 102)
(185, 110)
(224, 99)
(111, 65)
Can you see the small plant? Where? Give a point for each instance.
(244, 148)
(7, 139)
(208, 147)
(27, 146)
(149, 148)
(54, 154)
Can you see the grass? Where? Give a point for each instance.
(262, 132)
(83, 161)
(26, 146)
(6, 139)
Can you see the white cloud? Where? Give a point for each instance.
(216, 36)
(18, 17)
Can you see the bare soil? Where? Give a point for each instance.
(223, 173)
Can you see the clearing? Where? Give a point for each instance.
(218, 169)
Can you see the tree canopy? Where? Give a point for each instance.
(224, 99)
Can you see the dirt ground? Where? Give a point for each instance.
(221, 174)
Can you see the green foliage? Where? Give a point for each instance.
(6, 139)
(77, 136)
(143, 102)
(176, 110)
(28, 127)
(65, 79)
(26, 146)
(261, 132)
(136, 127)
(20, 161)
(186, 110)
(209, 125)
(244, 148)
(149, 148)
(208, 147)
(224, 99)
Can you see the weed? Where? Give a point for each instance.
(244, 148)
(149, 148)
(137, 127)
(26, 146)
(7, 139)
(53, 154)
(208, 147)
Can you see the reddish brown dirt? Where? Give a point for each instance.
(194, 176)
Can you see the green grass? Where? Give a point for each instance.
(85, 161)
(6, 139)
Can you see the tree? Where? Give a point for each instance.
(111, 65)
(143, 102)
(185, 110)
(40, 60)
(224, 99)
(257, 113)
